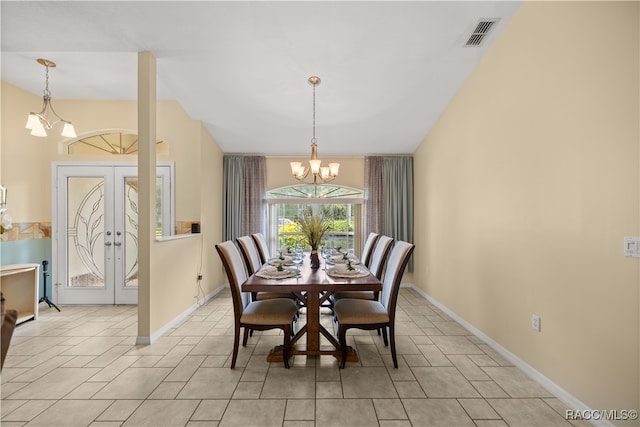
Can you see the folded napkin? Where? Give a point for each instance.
(271, 272)
(339, 259)
(286, 261)
(341, 270)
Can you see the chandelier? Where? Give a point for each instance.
(38, 123)
(318, 172)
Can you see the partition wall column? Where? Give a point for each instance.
(146, 190)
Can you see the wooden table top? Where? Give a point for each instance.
(311, 279)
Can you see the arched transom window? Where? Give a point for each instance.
(111, 143)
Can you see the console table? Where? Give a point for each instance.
(19, 284)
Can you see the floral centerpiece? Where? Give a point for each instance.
(313, 227)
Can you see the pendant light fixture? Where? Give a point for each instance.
(320, 173)
(38, 123)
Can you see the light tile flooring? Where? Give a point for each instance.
(81, 367)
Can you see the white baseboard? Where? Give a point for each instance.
(177, 320)
(560, 393)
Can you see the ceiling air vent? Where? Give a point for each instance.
(480, 32)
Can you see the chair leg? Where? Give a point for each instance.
(246, 336)
(287, 343)
(342, 335)
(236, 342)
(384, 336)
(392, 337)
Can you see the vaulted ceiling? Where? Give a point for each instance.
(388, 69)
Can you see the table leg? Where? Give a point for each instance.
(314, 330)
(313, 321)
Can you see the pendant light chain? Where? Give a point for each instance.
(46, 92)
(314, 140)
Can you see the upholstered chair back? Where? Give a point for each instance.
(367, 249)
(236, 274)
(250, 253)
(379, 256)
(263, 248)
(397, 262)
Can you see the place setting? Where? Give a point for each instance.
(343, 264)
(277, 272)
(335, 257)
(282, 266)
(348, 271)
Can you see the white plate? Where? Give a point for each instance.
(276, 261)
(339, 259)
(342, 271)
(271, 272)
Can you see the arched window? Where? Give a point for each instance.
(340, 204)
(118, 143)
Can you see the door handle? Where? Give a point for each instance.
(107, 243)
(117, 243)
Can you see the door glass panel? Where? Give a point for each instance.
(85, 219)
(131, 232)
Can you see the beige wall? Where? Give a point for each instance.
(21, 152)
(528, 184)
(25, 169)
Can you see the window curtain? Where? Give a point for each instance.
(373, 167)
(398, 197)
(389, 192)
(254, 215)
(244, 210)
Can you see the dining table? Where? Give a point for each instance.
(313, 287)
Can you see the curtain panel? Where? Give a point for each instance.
(244, 208)
(389, 197)
(398, 197)
(374, 205)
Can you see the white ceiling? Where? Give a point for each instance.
(388, 69)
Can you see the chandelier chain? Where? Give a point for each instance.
(46, 92)
(313, 139)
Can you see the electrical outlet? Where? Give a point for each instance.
(535, 322)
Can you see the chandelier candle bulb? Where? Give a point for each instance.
(38, 129)
(324, 172)
(315, 166)
(295, 168)
(68, 131)
(32, 122)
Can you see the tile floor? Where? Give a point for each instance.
(81, 367)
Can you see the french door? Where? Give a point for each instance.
(96, 231)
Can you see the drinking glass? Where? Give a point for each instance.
(326, 254)
(297, 257)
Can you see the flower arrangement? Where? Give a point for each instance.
(313, 227)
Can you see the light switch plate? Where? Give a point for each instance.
(632, 247)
